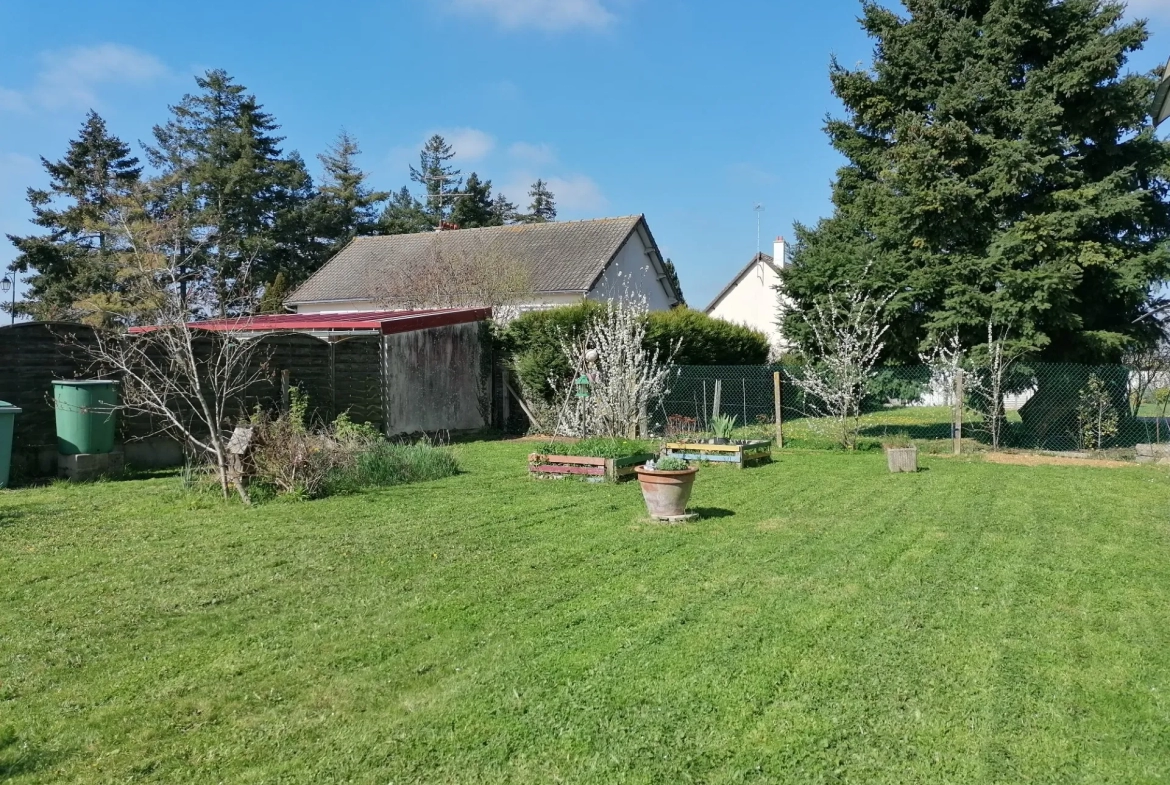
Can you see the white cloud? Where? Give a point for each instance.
(550, 15)
(577, 193)
(533, 154)
(470, 144)
(70, 79)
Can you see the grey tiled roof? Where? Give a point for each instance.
(565, 256)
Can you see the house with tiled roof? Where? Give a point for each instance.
(567, 261)
(751, 298)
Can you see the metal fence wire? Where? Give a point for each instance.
(1041, 406)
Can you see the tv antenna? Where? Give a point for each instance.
(438, 197)
(759, 208)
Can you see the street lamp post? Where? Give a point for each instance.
(10, 283)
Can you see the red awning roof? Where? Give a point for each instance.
(386, 322)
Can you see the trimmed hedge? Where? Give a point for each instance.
(534, 340)
(707, 340)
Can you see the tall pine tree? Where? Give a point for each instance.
(72, 261)
(672, 276)
(222, 168)
(503, 211)
(438, 178)
(475, 208)
(404, 214)
(543, 207)
(1000, 166)
(345, 206)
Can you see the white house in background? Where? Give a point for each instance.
(751, 298)
(569, 261)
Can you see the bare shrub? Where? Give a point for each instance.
(847, 331)
(475, 276)
(293, 459)
(190, 382)
(992, 365)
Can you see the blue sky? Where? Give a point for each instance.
(690, 112)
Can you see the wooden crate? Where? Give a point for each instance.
(738, 455)
(605, 469)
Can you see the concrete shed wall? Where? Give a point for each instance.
(436, 379)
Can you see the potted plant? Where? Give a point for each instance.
(666, 487)
(723, 425)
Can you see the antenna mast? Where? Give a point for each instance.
(759, 209)
(442, 178)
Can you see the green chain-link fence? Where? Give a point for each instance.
(1040, 405)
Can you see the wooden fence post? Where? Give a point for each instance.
(957, 417)
(777, 392)
(717, 403)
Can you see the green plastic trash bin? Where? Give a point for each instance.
(8, 414)
(85, 416)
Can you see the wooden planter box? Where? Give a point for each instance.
(603, 469)
(738, 454)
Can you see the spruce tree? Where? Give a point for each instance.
(345, 206)
(221, 167)
(1000, 166)
(543, 207)
(275, 294)
(672, 276)
(404, 214)
(438, 178)
(72, 260)
(476, 207)
(503, 211)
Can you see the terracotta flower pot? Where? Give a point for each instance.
(666, 493)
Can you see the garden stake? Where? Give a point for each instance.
(777, 392)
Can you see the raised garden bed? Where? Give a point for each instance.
(738, 452)
(608, 469)
(600, 460)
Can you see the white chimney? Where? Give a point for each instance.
(780, 252)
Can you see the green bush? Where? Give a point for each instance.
(387, 463)
(346, 430)
(534, 341)
(705, 339)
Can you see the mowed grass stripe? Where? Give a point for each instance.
(828, 622)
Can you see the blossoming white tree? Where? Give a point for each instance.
(626, 379)
(847, 330)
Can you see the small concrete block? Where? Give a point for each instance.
(1153, 450)
(902, 459)
(693, 516)
(86, 467)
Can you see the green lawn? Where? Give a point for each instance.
(825, 622)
